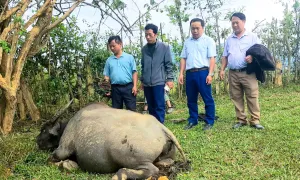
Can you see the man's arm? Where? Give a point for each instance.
(223, 66)
(211, 54)
(142, 66)
(168, 65)
(106, 71)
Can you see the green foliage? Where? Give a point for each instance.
(221, 153)
(5, 46)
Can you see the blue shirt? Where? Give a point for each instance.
(235, 49)
(197, 52)
(120, 70)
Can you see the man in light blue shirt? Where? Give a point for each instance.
(120, 70)
(198, 59)
(241, 83)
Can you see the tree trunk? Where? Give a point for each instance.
(278, 74)
(9, 103)
(89, 80)
(179, 20)
(21, 106)
(12, 63)
(216, 77)
(31, 107)
(79, 89)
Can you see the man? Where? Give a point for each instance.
(156, 72)
(120, 70)
(240, 83)
(198, 59)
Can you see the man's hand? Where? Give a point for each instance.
(170, 84)
(248, 59)
(209, 80)
(180, 79)
(134, 90)
(222, 74)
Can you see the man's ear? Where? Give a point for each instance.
(54, 129)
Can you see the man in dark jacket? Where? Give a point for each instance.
(156, 72)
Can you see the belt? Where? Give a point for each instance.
(121, 85)
(197, 69)
(239, 70)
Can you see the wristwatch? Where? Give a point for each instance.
(211, 74)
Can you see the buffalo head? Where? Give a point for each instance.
(51, 132)
(50, 135)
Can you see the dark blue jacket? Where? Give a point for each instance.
(262, 61)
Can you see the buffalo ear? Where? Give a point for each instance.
(54, 129)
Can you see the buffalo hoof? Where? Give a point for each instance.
(70, 165)
(165, 163)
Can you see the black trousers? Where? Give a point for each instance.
(123, 94)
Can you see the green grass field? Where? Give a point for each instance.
(220, 153)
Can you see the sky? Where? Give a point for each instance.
(255, 10)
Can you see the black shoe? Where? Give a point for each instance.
(257, 126)
(189, 126)
(238, 125)
(207, 127)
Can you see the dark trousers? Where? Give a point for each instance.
(155, 96)
(195, 84)
(123, 93)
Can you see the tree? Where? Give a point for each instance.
(19, 40)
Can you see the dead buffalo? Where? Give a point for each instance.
(107, 140)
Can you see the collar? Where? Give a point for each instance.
(246, 33)
(156, 43)
(122, 55)
(201, 37)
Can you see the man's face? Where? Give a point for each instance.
(150, 36)
(237, 24)
(196, 29)
(115, 47)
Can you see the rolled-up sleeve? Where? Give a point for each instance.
(225, 52)
(106, 68)
(184, 51)
(133, 64)
(212, 50)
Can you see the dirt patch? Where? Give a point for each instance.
(172, 171)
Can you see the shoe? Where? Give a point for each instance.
(207, 127)
(257, 126)
(238, 125)
(189, 126)
(170, 110)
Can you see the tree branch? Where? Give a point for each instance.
(257, 25)
(63, 17)
(155, 6)
(22, 57)
(37, 14)
(3, 84)
(13, 10)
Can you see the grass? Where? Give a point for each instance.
(221, 153)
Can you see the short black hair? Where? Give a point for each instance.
(197, 20)
(117, 39)
(151, 26)
(239, 15)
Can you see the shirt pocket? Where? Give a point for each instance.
(244, 46)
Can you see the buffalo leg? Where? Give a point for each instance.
(62, 153)
(141, 172)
